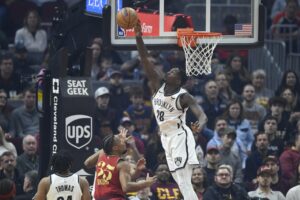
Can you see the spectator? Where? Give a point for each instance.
(29, 159)
(5, 112)
(220, 125)
(23, 65)
(255, 160)
(286, 25)
(9, 81)
(119, 98)
(276, 144)
(276, 110)
(213, 106)
(262, 93)
(105, 117)
(278, 6)
(199, 181)
(213, 159)
(33, 37)
(5, 145)
(237, 73)
(273, 164)
(30, 185)
(289, 160)
(292, 106)
(228, 157)
(235, 120)
(252, 110)
(96, 70)
(9, 170)
(290, 80)
(225, 91)
(7, 189)
(25, 119)
(164, 188)
(224, 188)
(139, 113)
(264, 178)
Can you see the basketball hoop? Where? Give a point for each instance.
(198, 49)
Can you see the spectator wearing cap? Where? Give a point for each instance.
(255, 159)
(119, 98)
(139, 113)
(228, 157)
(105, 117)
(276, 109)
(264, 179)
(273, 163)
(224, 188)
(9, 80)
(137, 147)
(289, 160)
(212, 159)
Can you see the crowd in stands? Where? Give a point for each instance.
(250, 146)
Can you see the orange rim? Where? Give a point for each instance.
(189, 33)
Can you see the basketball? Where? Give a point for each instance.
(127, 18)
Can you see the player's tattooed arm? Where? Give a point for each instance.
(188, 100)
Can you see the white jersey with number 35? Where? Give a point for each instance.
(64, 188)
(168, 112)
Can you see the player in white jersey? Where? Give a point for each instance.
(170, 103)
(62, 185)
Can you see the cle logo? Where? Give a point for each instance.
(79, 130)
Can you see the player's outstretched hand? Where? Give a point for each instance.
(141, 164)
(123, 133)
(138, 29)
(150, 180)
(196, 127)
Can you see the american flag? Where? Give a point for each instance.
(243, 29)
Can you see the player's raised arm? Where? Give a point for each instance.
(153, 76)
(188, 100)
(91, 161)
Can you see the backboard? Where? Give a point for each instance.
(240, 21)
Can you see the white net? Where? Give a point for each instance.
(198, 53)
